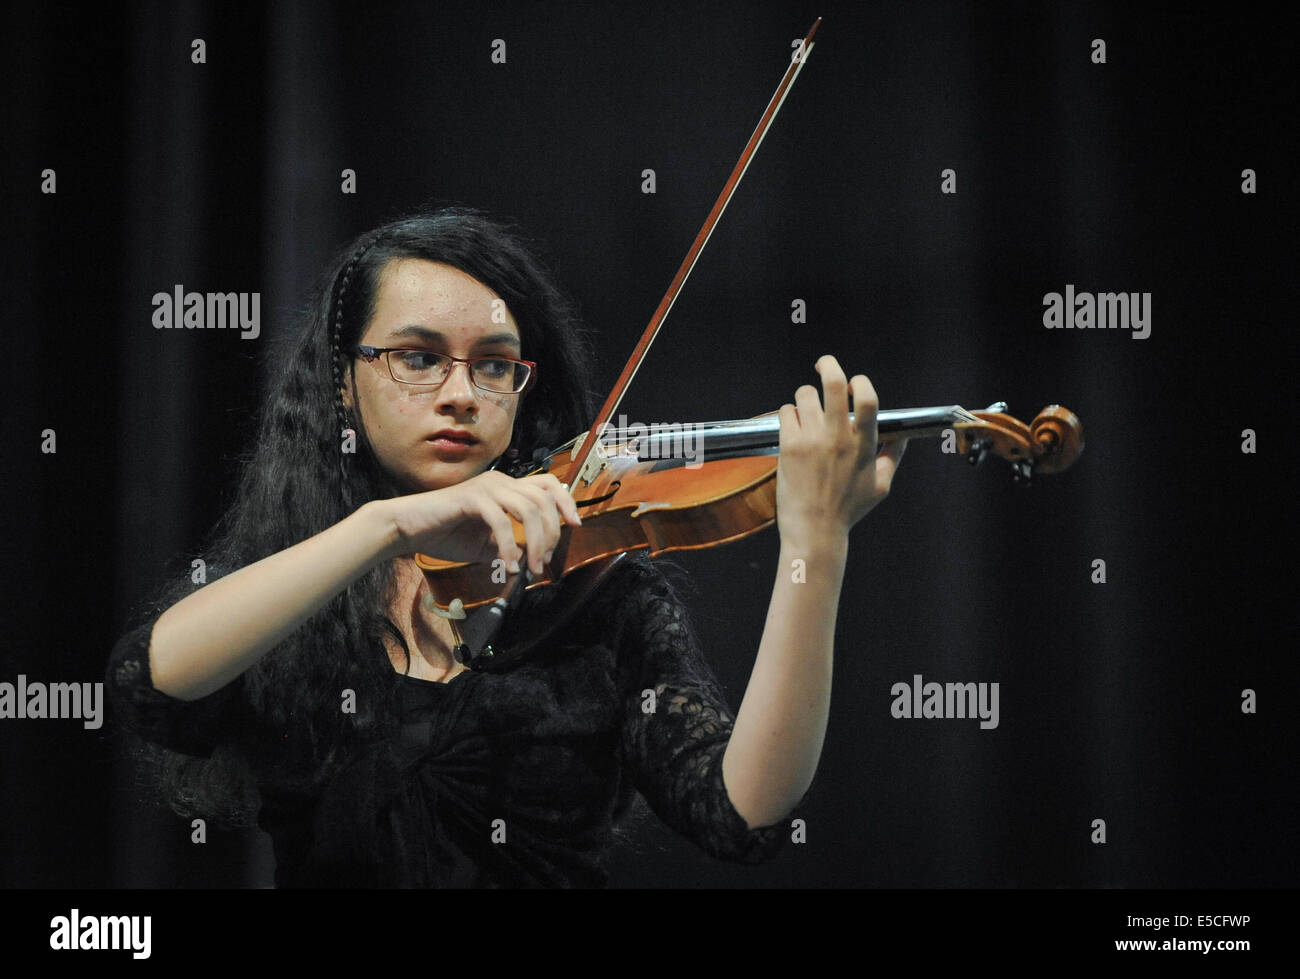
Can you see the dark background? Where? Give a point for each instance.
(1118, 701)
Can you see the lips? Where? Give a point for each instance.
(453, 435)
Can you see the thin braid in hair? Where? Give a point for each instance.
(336, 358)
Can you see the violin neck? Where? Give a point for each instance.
(757, 435)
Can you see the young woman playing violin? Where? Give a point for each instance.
(309, 683)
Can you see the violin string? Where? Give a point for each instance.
(736, 425)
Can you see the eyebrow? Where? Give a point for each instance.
(436, 336)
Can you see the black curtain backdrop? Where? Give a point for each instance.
(1119, 701)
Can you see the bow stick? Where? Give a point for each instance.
(588, 442)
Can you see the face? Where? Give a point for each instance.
(430, 306)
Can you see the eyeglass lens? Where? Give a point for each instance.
(422, 367)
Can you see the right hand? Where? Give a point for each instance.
(470, 521)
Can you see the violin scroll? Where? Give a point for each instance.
(1049, 444)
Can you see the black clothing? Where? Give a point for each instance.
(499, 779)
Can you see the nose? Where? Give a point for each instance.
(458, 389)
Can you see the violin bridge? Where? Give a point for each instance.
(596, 461)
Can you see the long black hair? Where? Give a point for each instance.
(295, 482)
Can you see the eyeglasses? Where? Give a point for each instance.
(497, 375)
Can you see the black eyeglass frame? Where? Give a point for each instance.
(371, 353)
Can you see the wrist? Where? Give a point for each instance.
(379, 517)
(811, 537)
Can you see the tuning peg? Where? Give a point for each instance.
(978, 450)
(1022, 472)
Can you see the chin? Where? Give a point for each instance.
(443, 474)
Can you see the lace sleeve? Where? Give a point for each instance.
(674, 754)
(192, 727)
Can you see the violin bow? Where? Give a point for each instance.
(587, 443)
(589, 458)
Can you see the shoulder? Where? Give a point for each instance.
(635, 603)
(640, 584)
(642, 615)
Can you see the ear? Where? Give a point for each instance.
(347, 389)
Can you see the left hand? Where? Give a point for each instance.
(829, 476)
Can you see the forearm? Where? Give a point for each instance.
(210, 637)
(777, 739)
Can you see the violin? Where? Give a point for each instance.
(656, 492)
(646, 491)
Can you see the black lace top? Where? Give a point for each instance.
(500, 779)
